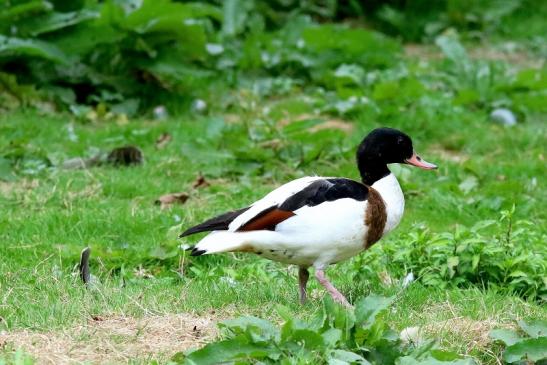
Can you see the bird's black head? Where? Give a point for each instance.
(383, 146)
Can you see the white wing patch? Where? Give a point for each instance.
(274, 198)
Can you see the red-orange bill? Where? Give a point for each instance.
(417, 161)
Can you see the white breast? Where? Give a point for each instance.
(391, 192)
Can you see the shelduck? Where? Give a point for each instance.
(317, 221)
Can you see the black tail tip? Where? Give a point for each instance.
(196, 252)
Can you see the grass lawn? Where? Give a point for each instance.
(151, 300)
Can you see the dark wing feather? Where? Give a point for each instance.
(219, 223)
(326, 190)
(318, 192)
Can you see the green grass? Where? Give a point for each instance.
(50, 214)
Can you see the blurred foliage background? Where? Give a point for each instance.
(131, 55)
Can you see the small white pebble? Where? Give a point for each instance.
(409, 278)
(214, 49)
(503, 116)
(160, 112)
(410, 335)
(199, 106)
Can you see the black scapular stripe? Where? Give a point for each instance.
(320, 191)
(326, 190)
(219, 223)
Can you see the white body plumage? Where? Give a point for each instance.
(316, 235)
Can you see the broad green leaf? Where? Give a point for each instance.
(452, 49)
(408, 360)
(26, 9)
(534, 328)
(308, 338)
(178, 73)
(354, 74)
(483, 224)
(453, 261)
(368, 308)
(386, 90)
(332, 336)
(363, 46)
(235, 13)
(234, 349)
(349, 357)
(283, 312)
(444, 355)
(508, 337)
(331, 362)
(533, 349)
(467, 96)
(165, 15)
(532, 79)
(242, 324)
(10, 46)
(55, 21)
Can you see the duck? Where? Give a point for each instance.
(317, 221)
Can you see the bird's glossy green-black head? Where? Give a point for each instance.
(383, 146)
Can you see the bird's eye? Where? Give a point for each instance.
(400, 140)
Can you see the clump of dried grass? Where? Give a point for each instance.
(114, 339)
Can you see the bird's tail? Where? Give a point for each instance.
(219, 241)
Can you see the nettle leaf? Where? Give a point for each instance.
(534, 328)
(533, 349)
(508, 337)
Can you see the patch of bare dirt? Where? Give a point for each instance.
(339, 124)
(114, 339)
(333, 124)
(17, 187)
(449, 155)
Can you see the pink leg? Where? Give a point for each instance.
(303, 276)
(335, 294)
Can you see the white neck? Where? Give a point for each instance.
(391, 192)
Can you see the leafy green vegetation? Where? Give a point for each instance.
(512, 260)
(334, 336)
(124, 57)
(532, 347)
(229, 99)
